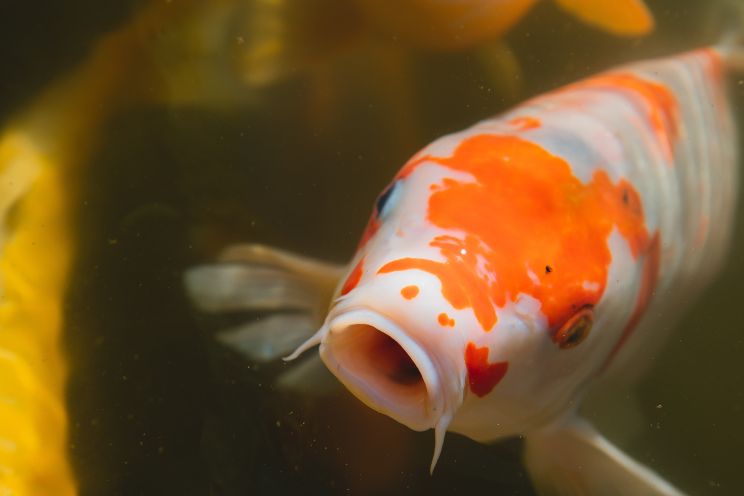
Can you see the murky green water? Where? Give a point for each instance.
(158, 407)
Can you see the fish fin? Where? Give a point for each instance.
(323, 276)
(614, 409)
(309, 376)
(620, 17)
(266, 339)
(232, 287)
(278, 298)
(259, 278)
(572, 458)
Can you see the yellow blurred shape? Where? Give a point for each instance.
(447, 25)
(41, 156)
(621, 17)
(34, 261)
(454, 25)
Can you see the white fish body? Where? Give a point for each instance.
(510, 266)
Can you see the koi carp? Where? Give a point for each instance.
(510, 268)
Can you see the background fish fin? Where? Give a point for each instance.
(620, 17)
(309, 376)
(572, 458)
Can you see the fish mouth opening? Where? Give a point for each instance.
(383, 367)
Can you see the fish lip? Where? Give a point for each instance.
(340, 320)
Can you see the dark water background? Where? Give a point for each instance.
(157, 407)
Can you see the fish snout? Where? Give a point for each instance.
(384, 367)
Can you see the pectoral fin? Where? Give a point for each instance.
(273, 299)
(572, 458)
(621, 17)
(323, 276)
(268, 338)
(234, 287)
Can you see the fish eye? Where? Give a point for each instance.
(386, 200)
(576, 329)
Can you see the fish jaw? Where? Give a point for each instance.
(388, 369)
(391, 370)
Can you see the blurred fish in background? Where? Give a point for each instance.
(460, 24)
(228, 51)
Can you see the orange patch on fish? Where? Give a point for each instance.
(482, 375)
(409, 292)
(462, 287)
(525, 123)
(445, 320)
(660, 103)
(524, 210)
(354, 277)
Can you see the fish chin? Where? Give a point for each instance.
(384, 367)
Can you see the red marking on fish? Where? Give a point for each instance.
(354, 277)
(531, 211)
(372, 227)
(482, 375)
(649, 279)
(411, 165)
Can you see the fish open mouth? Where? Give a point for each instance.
(384, 367)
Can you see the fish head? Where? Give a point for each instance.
(489, 288)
